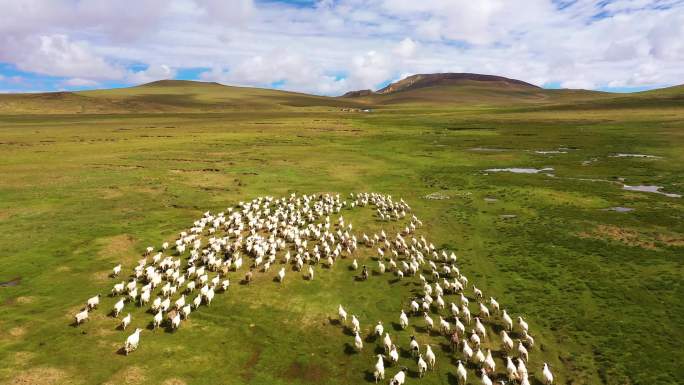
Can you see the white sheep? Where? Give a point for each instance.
(281, 275)
(126, 321)
(394, 354)
(461, 373)
(485, 378)
(399, 378)
(93, 302)
(428, 321)
(157, 320)
(508, 322)
(523, 325)
(422, 366)
(185, 311)
(430, 357)
(311, 273)
(379, 372)
(511, 370)
(81, 316)
(116, 270)
(355, 324)
(358, 343)
(547, 376)
(489, 363)
(342, 314)
(118, 307)
(132, 341)
(379, 329)
(175, 321)
(403, 320)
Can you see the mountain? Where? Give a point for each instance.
(448, 90)
(442, 79)
(165, 96)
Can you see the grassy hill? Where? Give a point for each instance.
(163, 96)
(601, 287)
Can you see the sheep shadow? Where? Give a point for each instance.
(349, 350)
(396, 326)
(369, 376)
(334, 321)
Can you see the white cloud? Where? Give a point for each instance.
(79, 82)
(633, 43)
(406, 48)
(57, 55)
(152, 73)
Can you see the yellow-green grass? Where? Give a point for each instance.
(602, 290)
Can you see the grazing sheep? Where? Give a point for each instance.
(358, 343)
(175, 321)
(157, 320)
(399, 378)
(414, 347)
(430, 356)
(342, 314)
(116, 270)
(126, 321)
(428, 321)
(132, 341)
(354, 265)
(489, 363)
(475, 338)
(81, 316)
(508, 322)
(118, 307)
(93, 302)
(422, 366)
(485, 378)
(355, 324)
(523, 325)
(478, 357)
(403, 320)
(547, 376)
(118, 288)
(522, 351)
(494, 304)
(387, 342)
(467, 351)
(511, 370)
(379, 372)
(379, 329)
(461, 373)
(394, 355)
(281, 275)
(506, 341)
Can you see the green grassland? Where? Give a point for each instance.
(93, 183)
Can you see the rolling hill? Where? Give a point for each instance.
(447, 90)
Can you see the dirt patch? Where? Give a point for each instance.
(626, 236)
(117, 246)
(25, 300)
(42, 376)
(17, 332)
(671, 240)
(248, 372)
(633, 237)
(311, 373)
(101, 276)
(174, 381)
(129, 375)
(23, 358)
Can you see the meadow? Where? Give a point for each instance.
(602, 290)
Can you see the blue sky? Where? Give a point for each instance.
(333, 46)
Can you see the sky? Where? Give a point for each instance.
(328, 47)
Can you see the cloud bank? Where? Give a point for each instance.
(333, 46)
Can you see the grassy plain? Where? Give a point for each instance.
(603, 291)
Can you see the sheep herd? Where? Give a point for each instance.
(299, 229)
